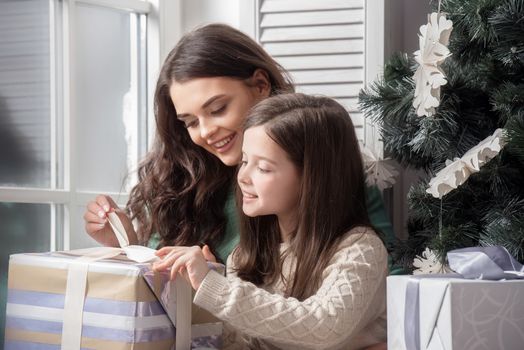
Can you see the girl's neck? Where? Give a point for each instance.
(287, 224)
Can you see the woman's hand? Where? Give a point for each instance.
(97, 225)
(189, 261)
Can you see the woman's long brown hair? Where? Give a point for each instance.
(319, 138)
(182, 188)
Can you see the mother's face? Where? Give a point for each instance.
(214, 109)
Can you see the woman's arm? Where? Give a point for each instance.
(339, 309)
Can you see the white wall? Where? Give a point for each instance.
(198, 12)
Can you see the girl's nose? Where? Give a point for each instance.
(243, 176)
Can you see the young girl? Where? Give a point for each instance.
(184, 196)
(309, 271)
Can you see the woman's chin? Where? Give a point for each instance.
(229, 160)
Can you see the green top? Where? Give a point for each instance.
(231, 238)
(376, 211)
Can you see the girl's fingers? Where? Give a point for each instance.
(167, 250)
(164, 251)
(207, 254)
(178, 265)
(168, 260)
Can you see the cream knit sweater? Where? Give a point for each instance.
(347, 312)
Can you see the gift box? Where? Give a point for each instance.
(448, 312)
(60, 300)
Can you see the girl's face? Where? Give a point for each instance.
(269, 180)
(213, 110)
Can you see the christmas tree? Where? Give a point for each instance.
(484, 92)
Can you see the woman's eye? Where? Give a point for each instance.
(262, 170)
(219, 110)
(190, 124)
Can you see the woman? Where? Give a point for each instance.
(184, 195)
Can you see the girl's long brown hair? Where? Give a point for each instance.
(182, 188)
(319, 138)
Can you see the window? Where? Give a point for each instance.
(73, 116)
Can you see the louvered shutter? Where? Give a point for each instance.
(321, 43)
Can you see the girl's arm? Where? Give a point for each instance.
(340, 309)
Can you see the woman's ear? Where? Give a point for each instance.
(260, 80)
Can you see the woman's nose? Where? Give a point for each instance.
(207, 128)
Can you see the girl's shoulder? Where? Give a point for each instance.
(362, 238)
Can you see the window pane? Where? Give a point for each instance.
(24, 93)
(24, 228)
(79, 237)
(105, 99)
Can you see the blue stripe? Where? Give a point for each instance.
(23, 345)
(128, 336)
(97, 305)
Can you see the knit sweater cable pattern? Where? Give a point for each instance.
(348, 311)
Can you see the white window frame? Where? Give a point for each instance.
(66, 194)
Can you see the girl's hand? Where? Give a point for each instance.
(97, 225)
(189, 261)
(208, 255)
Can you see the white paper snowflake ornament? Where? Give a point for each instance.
(379, 172)
(428, 263)
(452, 176)
(486, 150)
(429, 77)
(457, 172)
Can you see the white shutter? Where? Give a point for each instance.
(321, 43)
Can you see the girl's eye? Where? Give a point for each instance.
(262, 170)
(219, 111)
(243, 162)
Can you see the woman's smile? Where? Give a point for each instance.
(225, 144)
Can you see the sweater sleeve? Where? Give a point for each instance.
(336, 312)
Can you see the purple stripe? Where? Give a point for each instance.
(25, 345)
(214, 343)
(104, 306)
(136, 336)
(22, 345)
